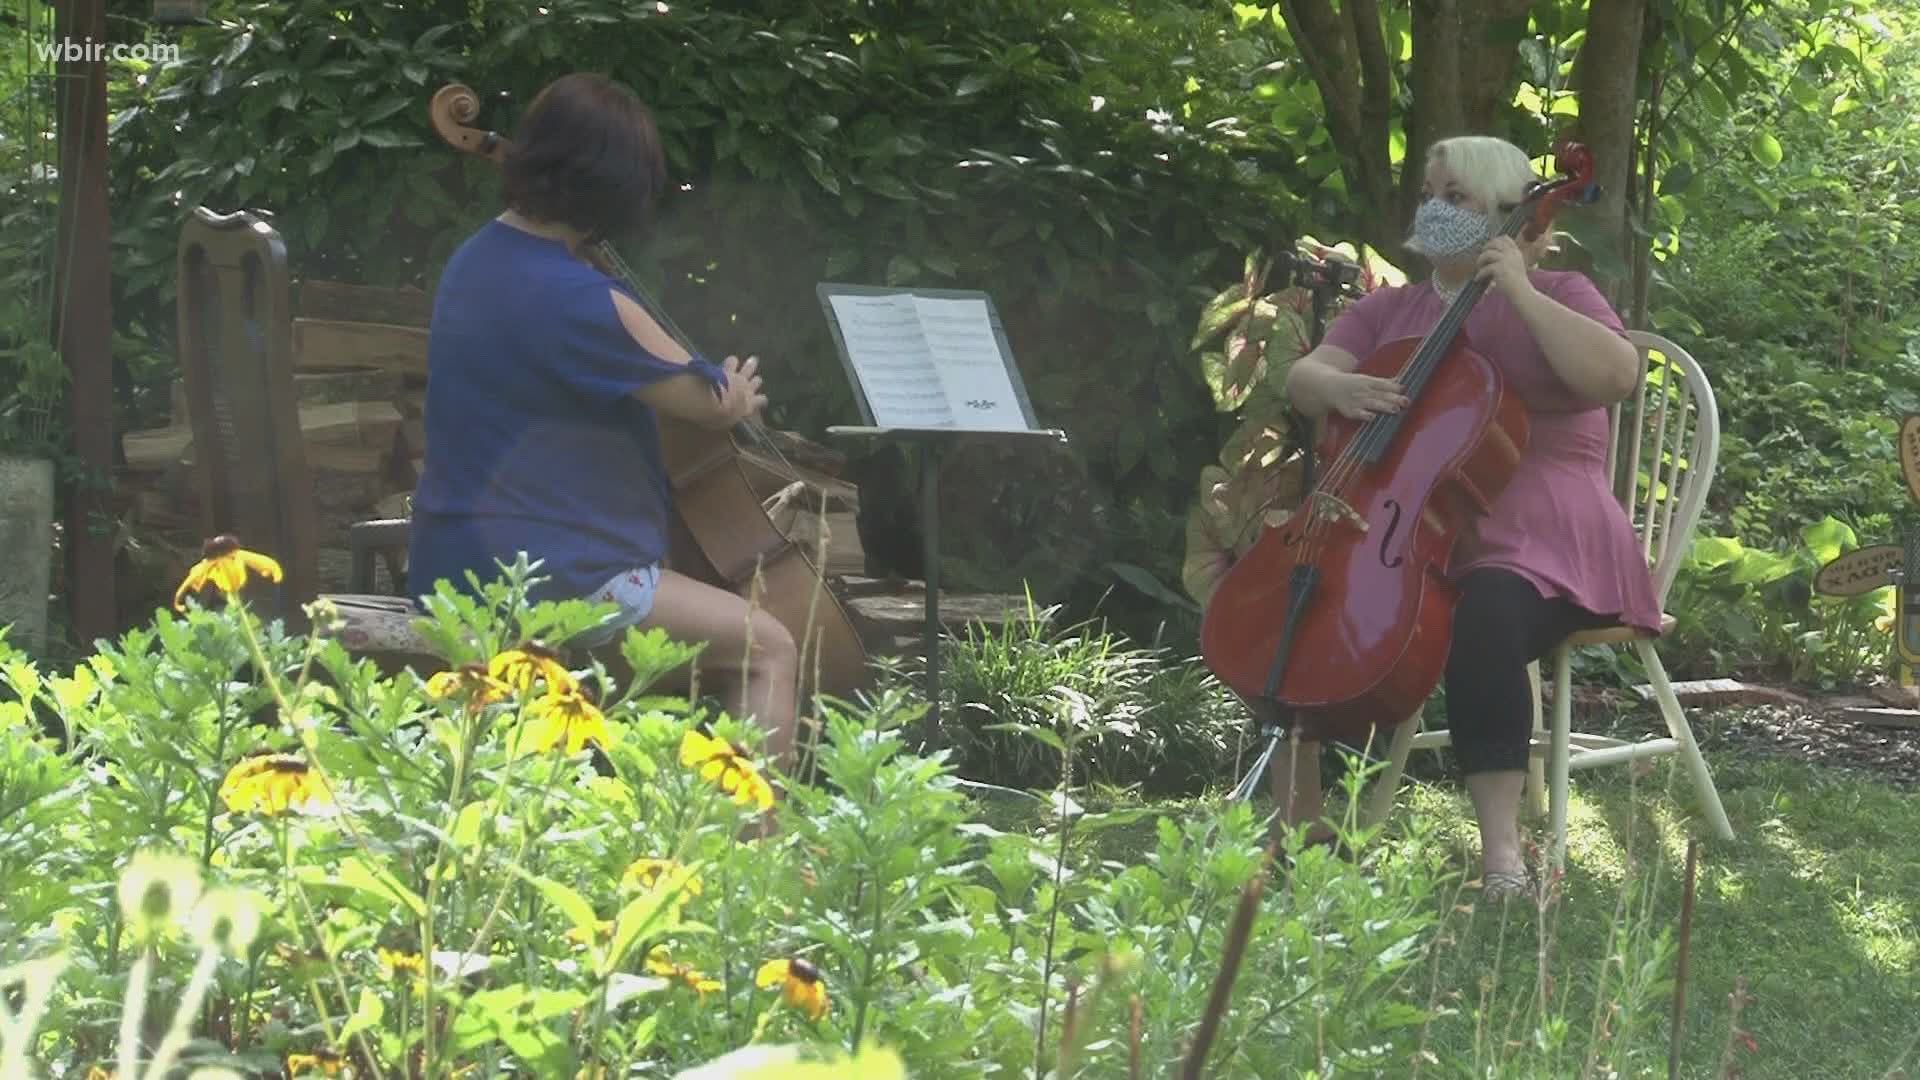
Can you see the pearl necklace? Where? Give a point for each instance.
(1442, 291)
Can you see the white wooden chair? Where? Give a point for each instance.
(1666, 439)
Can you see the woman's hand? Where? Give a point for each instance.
(742, 397)
(1363, 397)
(1503, 262)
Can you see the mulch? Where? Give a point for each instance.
(1814, 728)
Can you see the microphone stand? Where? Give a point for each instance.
(1324, 279)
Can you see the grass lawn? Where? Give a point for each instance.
(1814, 907)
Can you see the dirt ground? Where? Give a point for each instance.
(1769, 720)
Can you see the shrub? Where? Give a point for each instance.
(1012, 698)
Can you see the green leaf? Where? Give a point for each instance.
(364, 1018)
(356, 873)
(571, 904)
(388, 140)
(972, 84)
(1140, 579)
(1765, 148)
(1044, 735)
(1828, 538)
(1711, 552)
(643, 911)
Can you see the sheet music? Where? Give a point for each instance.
(890, 353)
(928, 363)
(966, 353)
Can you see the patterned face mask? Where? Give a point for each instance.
(1445, 230)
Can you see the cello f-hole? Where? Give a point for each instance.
(1386, 541)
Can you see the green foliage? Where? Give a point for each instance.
(436, 894)
(1014, 699)
(1749, 610)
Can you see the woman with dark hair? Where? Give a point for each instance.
(546, 379)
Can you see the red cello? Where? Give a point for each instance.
(1343, 613)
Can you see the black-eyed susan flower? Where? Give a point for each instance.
(644, 874)
(660, 962)
(566, 717)
(724, 764)
(320, 1062)
(225, 565)
(395, 963)
(470, 683)
(273, 784)
(800, 985)
(528, 664)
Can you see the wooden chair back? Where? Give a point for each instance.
(236, 359)
(1665, 445)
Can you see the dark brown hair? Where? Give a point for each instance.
(586, 154)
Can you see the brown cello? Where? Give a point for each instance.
(1342, 614)
(721, 532)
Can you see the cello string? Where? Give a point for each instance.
(1377, 432)
(632, 281)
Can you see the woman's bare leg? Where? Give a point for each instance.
(749, 654)
(1496, 802)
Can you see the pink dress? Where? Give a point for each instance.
(1558, 523)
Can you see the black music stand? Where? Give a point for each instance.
(894, 363)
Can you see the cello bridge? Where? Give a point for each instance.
(1331, 508)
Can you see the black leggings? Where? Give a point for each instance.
(1500, 625)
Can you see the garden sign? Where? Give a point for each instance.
(1869, 568)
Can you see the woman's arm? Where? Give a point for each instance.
(1313, 376)
(691, 399)
(1324, 381)
(1593, 359)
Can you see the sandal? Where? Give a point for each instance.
(1505, 885)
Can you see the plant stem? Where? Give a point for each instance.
(1053, 916)
(866, 977)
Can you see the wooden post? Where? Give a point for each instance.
(83, 313)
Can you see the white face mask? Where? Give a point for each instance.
(1445, 230)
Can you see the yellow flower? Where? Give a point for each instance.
(565, 717)
(471, 683)
(394, 962)
(726, 765)
(225, 565)
(324, 1062)
(644, 874)
(272, 784)
(528, 663)
(661, 964)
(799, 982)
(602, 931)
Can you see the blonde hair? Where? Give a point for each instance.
(1493, 171)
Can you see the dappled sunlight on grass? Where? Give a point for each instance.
(1811, 904)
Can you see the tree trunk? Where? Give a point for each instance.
(1461, 73)
(84, 317)
(1605, 74)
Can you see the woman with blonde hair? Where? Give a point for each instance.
(1555, 553)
